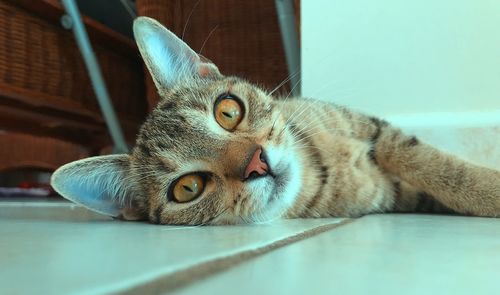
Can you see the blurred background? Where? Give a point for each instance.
(431, 67)
(390, 57)
(49, 113)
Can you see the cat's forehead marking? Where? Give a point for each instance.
(166, 165)
(183, 129)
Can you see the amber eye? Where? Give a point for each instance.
(188, 188)
(228, 112)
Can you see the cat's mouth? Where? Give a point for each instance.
(280, 179)
(273, 194)
(280, 176)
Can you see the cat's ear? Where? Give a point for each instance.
(100, 184)
(168, 58)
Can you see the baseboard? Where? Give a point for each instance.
(474, 136)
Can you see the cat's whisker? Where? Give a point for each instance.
(262, 218)
(291, 116)
(189, 18)
(300, 140)
(284, 82)
(308, 127)
(258, 215)
(337, 130)
(208, 37)
(284, 101)
(294, 115)
(304, 102)
(321, 123)
(243, 219)
(334, 91)
(302, 109)
(306, 130)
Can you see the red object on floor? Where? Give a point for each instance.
(29, 184)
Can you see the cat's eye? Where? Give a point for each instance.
(188, 188)
(228, 112)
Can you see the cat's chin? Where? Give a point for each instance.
(286, 177)
(276, 193)
(271, 196)
(281, 181)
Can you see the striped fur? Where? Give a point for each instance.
(350, 164)
(326, 160)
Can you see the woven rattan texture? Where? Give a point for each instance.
(40, 56)
(241, 37)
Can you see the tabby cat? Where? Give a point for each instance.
(220, 150)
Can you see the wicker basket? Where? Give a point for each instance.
(242, 37)
(42, 73)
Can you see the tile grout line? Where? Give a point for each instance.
(191, 274)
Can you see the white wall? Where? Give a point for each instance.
(431, 67)
(394, 57)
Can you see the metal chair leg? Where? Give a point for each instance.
(73, 21)
(286, 19)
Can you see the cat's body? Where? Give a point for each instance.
(362, 165)
(220, 150)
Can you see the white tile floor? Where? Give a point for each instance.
(68, 250)
(95, 255)
(383, 254)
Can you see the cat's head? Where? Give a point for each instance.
(215, 150)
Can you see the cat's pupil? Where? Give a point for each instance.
(189, 189)
(227, 115)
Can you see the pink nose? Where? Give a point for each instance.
(256, 165)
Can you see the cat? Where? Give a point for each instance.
(220, 150)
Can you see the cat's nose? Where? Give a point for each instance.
(257, 165)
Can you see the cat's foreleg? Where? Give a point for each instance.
(455, 183)
(459, 185)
